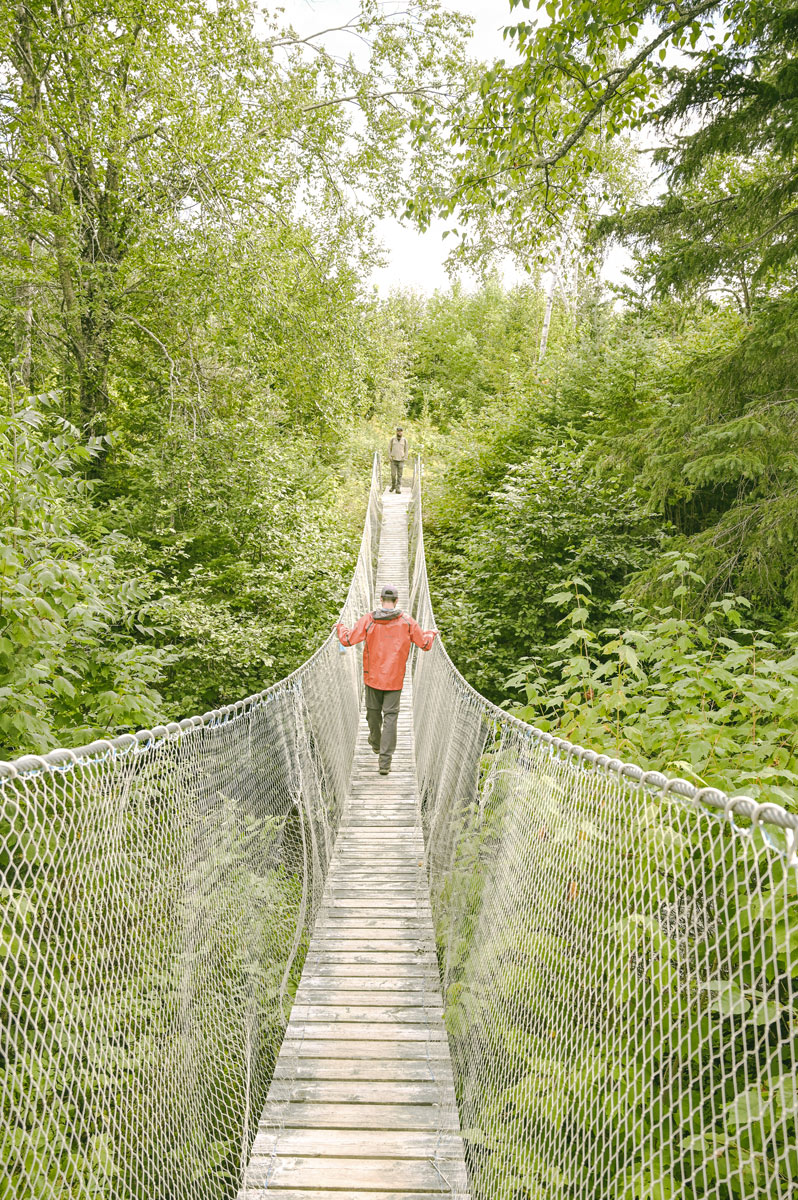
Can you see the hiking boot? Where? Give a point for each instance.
(376, 749)
(385, 770)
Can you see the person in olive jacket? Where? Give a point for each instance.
(397, 452)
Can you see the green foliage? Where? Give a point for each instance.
(614, 1033)
(251, 537)
(465, 350)
(72, 662)
(730, 210)
(107, 951)
(709, 698)
(717, 456)
(542, 142)
(550, 516)
(185, 227)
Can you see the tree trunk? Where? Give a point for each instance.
(544, 333)
(23, 334)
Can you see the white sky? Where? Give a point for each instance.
(415, 260)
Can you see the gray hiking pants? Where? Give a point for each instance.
(397, 466)
(382, 712)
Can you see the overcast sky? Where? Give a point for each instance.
(416, 259)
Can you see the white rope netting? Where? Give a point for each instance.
(157, 894)
(618, 951)
(619, 960)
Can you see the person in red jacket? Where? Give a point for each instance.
(388, 633)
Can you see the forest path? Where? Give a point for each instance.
(362, 1102)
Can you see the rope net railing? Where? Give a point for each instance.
(619, 959)
(157, 896)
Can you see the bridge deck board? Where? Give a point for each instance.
(362, 1103)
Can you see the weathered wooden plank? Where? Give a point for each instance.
(375, 825)
(337, 1091)
(360, 891)
(399, 938)
(340, 998)
(396, 906)
(387, 831)
(291, 1193)
(364, 856)
(337, 924)
(403, 910)
(362, 1048)
(366, 809)
(345, 908)
(353, 966)
(385, 1031)
(410, 882)
(343, 928)
(341, 911)
(403, 900)
(364, 1069)
(405, 897)
(384, 959)
(394, 945)
(419, 997)
(344, 1174)
(388, 850)
(284, 1115)
(363, 860)
(355, 1143)
(353, 872)
(394, 1013)
(367, 836)
(332, 923)
(390, 987)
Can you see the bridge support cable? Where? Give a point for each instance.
(157, 894)
(619, 959)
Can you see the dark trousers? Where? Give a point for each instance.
(382, 712)
(396, 474)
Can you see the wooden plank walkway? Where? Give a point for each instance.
(362, 1102)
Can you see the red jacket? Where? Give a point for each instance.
(387, 647)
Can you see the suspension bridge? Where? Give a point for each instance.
(237, 962)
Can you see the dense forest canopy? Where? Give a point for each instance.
(186, 224)
(196, 368)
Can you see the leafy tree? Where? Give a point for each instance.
(127, 122)
(710, 87)
(186, 224)
(710, 698)
(465, 350)
(71, 662)
(551, 515)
